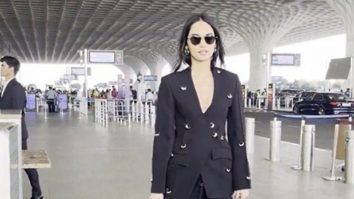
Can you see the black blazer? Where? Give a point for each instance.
(14, 97)
(189, 143)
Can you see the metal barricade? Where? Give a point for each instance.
(83, 108)
(101, 112)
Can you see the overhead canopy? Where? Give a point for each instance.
(52, 31)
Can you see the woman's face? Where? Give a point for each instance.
(201, 41)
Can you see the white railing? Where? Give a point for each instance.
(124, 112)
(41, 102)
(101, 112)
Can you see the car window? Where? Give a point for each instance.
(336, 96)
(318, 97)
(308, 94)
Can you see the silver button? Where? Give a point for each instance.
(229, 95)
(241, 144)
(183, 146)
(222, 138)
(168, 191)
(187, 126)
(218, 71)
(215, 135)
(228, 170)
(183, 88)
(212, 125)
(151, 180)
(248, 178)
(172, 155)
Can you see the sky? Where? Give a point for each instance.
(315, 56)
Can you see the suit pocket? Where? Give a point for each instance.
(180, 159)
(222, 157)
(221, 153)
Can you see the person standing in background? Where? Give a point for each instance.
(13, 97)
(51, 95)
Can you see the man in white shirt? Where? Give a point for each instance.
(51, 95)
(149, 97)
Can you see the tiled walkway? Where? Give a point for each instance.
(92, 162)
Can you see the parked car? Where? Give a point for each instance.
(324, 103)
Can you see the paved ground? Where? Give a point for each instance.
(92, 162)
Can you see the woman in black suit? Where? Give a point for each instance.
(194, 156)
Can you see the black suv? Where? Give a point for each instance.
(324, 103)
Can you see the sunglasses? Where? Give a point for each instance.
(195, 40)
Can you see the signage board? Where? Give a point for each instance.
(150, 78)
(285, 59)
(105, 57)
(80, 71)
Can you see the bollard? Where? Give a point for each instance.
(129, 120)
(275, 138)
(115, 110)
(141, 112)
(307, 149)
(298, 166)
(278, 103)
(250, 129)
(259, 104)
(332, 177)
(133, 111)
(349, 158)
(350, 123)
(146, 114)
(249, 103)
(153, 115)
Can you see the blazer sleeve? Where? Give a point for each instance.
(18, 97)
(235, 132)
(164, 136)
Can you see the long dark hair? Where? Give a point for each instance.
(186, 58)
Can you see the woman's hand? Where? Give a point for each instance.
(240, 194)
(156, 196)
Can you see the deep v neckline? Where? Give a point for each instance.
(196, 94)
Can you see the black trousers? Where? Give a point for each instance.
(51, 106)
(32, 176)
(199, 191)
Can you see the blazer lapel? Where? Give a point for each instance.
(8, 86)
(190, 89)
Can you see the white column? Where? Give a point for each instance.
(260, 70)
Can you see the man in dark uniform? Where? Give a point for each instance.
(13, 96)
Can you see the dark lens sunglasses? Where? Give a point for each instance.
(196, 40)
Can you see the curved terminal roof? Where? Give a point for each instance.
(148, 30)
